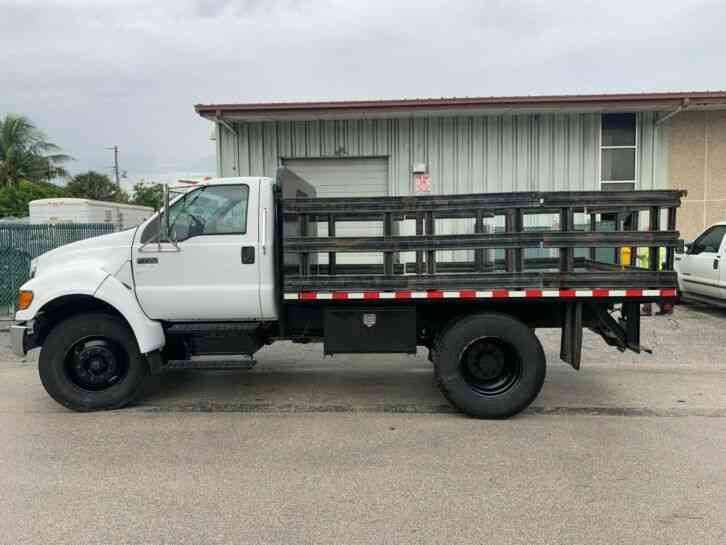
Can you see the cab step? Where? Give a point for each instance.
(209, 364)
(216, 340)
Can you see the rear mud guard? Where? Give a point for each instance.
(571, 340)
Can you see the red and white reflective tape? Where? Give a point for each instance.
(475, 294)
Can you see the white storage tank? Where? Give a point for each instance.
(71, 210)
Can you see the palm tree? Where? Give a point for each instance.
(25, 154)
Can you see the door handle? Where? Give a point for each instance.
(715, 262)
(248, 255)
(263, 231)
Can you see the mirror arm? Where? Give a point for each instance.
(166, 228)
(163, 232)
(165, 196)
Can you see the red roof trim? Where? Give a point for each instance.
(532, 100)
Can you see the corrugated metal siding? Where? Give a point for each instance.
(544, 152)
(653, 153)
(532, 152)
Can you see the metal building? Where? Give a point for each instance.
(471, 145)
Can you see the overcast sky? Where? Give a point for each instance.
(93, 73)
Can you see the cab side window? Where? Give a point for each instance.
(212, 210)
(710, 241)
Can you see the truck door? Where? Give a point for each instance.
(701, 267)
(211, 271)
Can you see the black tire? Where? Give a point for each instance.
(489, 365)
(91, 362)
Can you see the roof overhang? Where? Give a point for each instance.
(441, 107)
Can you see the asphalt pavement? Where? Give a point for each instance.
(364, 449)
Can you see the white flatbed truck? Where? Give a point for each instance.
(232, 265)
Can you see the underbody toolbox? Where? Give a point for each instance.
(370, 329)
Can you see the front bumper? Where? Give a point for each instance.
(17, 339)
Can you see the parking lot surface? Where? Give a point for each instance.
(364, 449)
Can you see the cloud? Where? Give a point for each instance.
(103, 72)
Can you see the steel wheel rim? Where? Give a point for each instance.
(490, 366)
(96, 363)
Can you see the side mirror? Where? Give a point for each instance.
(180, 230)
(159, 229)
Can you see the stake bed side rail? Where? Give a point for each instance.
(637, 219)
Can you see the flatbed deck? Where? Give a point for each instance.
(637, 219)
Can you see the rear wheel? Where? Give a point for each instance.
(489, 365)
(91, 361)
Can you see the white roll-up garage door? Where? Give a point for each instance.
(343, 177)
(346, 178)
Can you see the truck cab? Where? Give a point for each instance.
(208, 258)
(218, 262)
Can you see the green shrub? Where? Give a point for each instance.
(14, 199)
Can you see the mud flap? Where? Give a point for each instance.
(571, 341)
(630, 321)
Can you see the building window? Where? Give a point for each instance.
(618, 152)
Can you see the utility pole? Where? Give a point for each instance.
(115, 165)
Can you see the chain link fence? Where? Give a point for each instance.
(20, 242)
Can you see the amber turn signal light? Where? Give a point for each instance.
(24, 299)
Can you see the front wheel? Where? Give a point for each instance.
(489, 365)
(91, 362)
